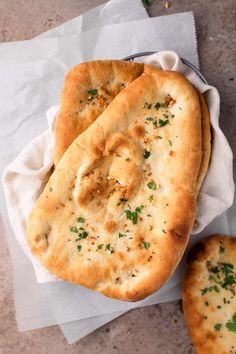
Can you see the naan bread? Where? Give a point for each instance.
(209, 299)
(116, 214)
(87, 90)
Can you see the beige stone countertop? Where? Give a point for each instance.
(158, 329)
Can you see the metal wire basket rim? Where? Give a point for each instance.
(185, 61)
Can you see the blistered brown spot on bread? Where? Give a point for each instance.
(110, 226)
(169, 101)
(138, 131)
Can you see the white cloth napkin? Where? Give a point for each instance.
(26, 176)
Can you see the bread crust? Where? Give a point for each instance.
(206, 142)
(208, 302)
(137, 211)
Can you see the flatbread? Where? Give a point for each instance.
(87, 90)
(206, 142)
(116, 214)
(209, 297)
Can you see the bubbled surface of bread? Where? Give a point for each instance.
(116, 214)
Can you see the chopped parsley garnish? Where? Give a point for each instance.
(122, 200)
(170, 142)
(138, 209)
(223, 275)
(93, 92)
(108, 249)
(162, 122)
(121, 235)
(231, 326)
(50, 189)
(100, 246)
(218, 326)
(133, 216)
(211, 288)
(164, 231)
(81, 220)
(222, 248)
(157, 105)
(172, 115)
(149, 119)
(146, 245)
(218, 307)
(180, 108)
(73, 229)
(159, 137)
(146, 154)
(152, 185)
(151, 198)
(107, 92)
(82, 235)
(79, 248)
(148, 105)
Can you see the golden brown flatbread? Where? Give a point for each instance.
(209, 299)
(87, 90)
(116, 214)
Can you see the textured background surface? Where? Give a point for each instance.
(158, 329)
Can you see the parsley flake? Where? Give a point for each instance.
(82, 235)
(100, 246)
(157, 105)
(146, 245)
(50, 189)
(73, 229)
(93, 92)
(81, 220)
(231, 326)
(108, 249)
(151, 198)
(170, 142)
(79, 248)
(121, 235)
(133, 216)
(162, 122)
(146, 154)
(152, 185)
(222, 248)
(218, 326)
